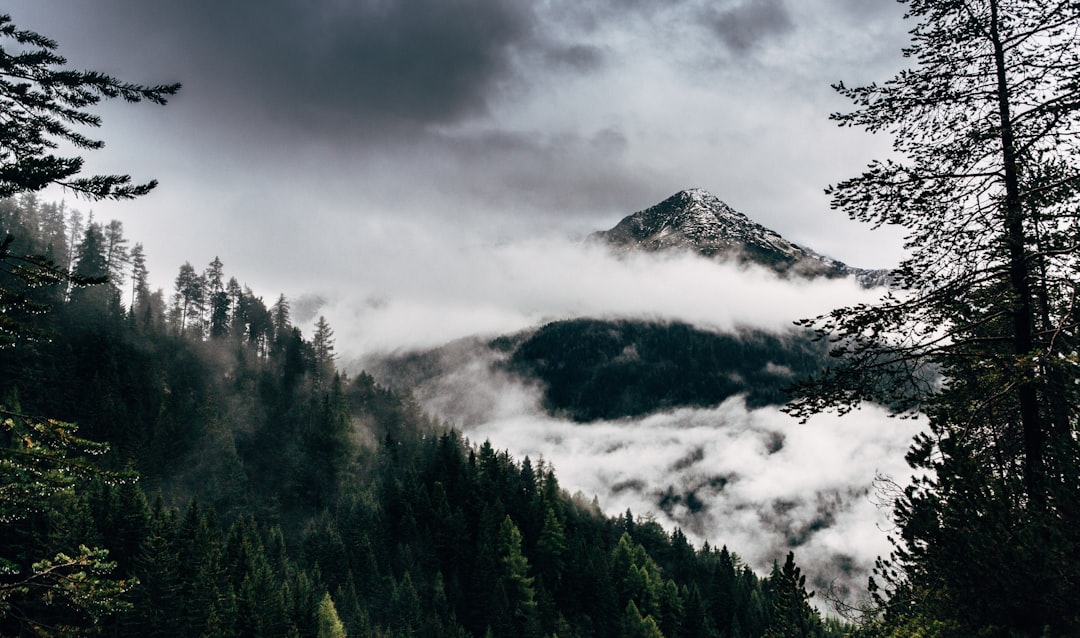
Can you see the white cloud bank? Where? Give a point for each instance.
(755, 480)
(438, 294)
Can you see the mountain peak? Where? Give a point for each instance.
(696, 195)
(696, 220)
(699, 194)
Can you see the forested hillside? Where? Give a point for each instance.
(250, 489)
(609, 369)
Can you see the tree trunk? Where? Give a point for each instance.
(1019, 278)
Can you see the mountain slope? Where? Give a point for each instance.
(593, 369)
(695, 220)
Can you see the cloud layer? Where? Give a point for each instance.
(482, 288)
(755, 480)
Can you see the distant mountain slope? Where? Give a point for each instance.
(590, 369)
(698, 221)
(593, 369)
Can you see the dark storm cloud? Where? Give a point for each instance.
(415, 60)
(331, 65)
(743, 26)
(561, 174)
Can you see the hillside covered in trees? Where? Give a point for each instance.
(250, 489)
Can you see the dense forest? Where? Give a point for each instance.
(251, 489)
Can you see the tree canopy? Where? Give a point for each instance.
(980, 334)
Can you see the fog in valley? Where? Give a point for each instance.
(755, 480)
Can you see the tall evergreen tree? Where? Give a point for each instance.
(322, 343)
(982, 333)
(218, 298)
(53, 230)
(329, 624)
(140, 278)
(514, 602)
(189, 299)
(75, 230)
(280, 316)
(90, 259)
(792, 615)
(117, 256)
(91, 263)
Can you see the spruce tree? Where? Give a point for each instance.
(322, 344)
(792, 615)
(140, 279)
(117, 255)
(328, 623)
(980, 331)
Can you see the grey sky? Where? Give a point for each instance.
(323, 144)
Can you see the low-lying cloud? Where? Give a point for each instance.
(448, 292)
(755, 480)
(752, 479)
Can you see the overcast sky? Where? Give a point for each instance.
(324, 144)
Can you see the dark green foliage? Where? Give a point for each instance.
(791, 613)
(609, 369)
(49, 577)
(329, 625)
(982, 335)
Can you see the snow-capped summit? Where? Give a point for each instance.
(697, 220)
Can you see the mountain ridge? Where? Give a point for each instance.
(695, 220)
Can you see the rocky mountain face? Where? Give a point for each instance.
(695, 220)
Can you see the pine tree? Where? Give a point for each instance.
(322, 343)
(140, 279)
(53, 231)
(550, 548)
(218, 299)
(280, 316)
(981, 335)
(792, 615)
(328, 623)
(189, 299)
(515, 599)
(99, 299)
(75, 233)
(636, 626)
(116, 252)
